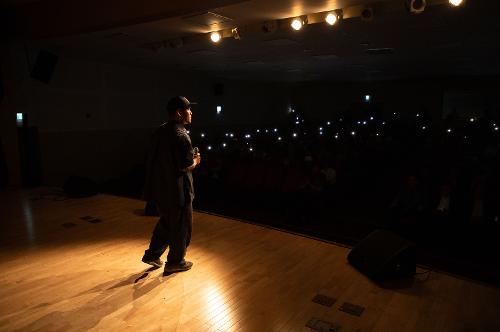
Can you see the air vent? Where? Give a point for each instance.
(379, 51)
(325, 57)
(254, 63)
(207, 19)
(202, 52)
(281, 42)
(116, 35)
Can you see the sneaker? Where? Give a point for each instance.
(154, 262)
(179, 267)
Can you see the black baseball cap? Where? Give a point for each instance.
(178, 102)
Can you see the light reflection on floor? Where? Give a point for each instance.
(28, 221)
(216, 308)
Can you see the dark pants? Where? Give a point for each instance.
(172, 230)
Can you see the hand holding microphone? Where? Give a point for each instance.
(196, 155)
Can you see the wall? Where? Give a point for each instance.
(8, 128)
(96, 119)
(324, 100)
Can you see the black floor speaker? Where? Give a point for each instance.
(383, 255)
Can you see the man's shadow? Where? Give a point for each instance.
(110, 296)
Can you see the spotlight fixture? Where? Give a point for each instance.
(174, 43)
(215, 36)
(367, 14)
(235, 33)
(270, 26)
(415, 6)
(331, 18)
(299, 22)
(456, 3)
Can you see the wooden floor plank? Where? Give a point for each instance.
(245, 277)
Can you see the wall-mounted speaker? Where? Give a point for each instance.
(383, 255)
(44, 66)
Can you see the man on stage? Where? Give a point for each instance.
(169, 184)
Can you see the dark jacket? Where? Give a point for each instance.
(167, 183)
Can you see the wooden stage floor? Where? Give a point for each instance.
(60, 272)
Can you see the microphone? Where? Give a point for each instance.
(196, 150)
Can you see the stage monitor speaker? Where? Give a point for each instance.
(44, 67)
(383, 255)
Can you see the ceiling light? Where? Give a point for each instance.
(235, 33)
(455, 3)
(215, 36)
(297, 24)
(331, 18)
(367, 14)
(270, 26)
(174, 43)
(416, 6)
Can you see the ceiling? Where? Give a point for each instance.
(440, 42)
